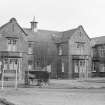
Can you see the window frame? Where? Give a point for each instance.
(60, 49)
(30, 48)
(80, 44)
(11, 44)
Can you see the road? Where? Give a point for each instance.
(44, 96)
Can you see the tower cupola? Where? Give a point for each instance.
(34, 25)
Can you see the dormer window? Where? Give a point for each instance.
(12, 44)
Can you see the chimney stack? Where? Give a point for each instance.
(34, 25)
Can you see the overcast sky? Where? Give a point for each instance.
(57, 14)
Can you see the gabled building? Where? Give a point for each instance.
(74, 54)
(64, 54)
(13, 49)
(25, 49)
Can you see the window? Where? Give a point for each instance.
(5, 64)
(10, 64)
(11, 44)
(30, 67)
(30, 64)
(76, 67)
(82, 62)
(102, 67)
(30, 50)
(49, 68)
(80, 44)
(101, 51)
(60, 50)
(63, 67)
(13, 64)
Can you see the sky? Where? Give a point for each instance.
(58, 15)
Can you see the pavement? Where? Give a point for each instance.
(42, 96)
(90, 83)
(78, 83)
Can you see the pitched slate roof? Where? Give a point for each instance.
(63, 36)
(44, 39)
(66, 35)
(98, 40)
(57, 38)
(40, 35)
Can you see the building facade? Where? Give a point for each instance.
(13, 50)
(74, 54)
(98, 56)
(41, 48)
(68, 54)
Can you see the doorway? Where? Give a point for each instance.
(80, 68)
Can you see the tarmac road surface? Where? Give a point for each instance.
(44, 96)
(59, 92)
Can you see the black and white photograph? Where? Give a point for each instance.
(52, 52)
